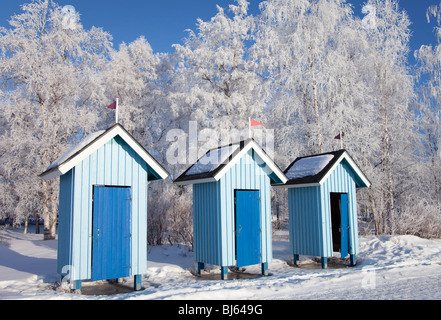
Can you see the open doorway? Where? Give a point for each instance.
(339, 221)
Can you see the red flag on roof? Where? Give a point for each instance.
(112, 105)
(254, 123)
(337, 137)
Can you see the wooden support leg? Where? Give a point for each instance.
(324, 261)
(201, 267)
(296, 260)
(137, 282)
(224, 273)
(353, 259)
(77, 286)
(265, 268)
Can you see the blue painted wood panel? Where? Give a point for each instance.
(206, 223)
(305, 222)
(115, 163)
(344, 227)
(111, 232)
(247, 227)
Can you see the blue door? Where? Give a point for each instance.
(344, 250)
(111, 232)
(248, 250)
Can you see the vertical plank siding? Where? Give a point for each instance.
(115, 163)
(305, 223)
(213, 212)
(206, 222)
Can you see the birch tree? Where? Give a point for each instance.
(130, 76)
(307, 53)
(48, 74)
(391, 90)
(429, 107)
(223, 89)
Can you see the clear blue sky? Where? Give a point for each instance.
(163, 22)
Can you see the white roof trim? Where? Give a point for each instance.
(302, 185)
(51, 174)
(99, 142)
(352, 164)
(187, 182)
(252, 145)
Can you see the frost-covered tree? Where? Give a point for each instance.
(130, 76)
(421, 204)
(221, 88)
(390, 87)
(51, 91)
(308, 52)
(429, 108)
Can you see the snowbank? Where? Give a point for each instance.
(389, 267)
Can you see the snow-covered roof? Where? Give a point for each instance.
(216, 162)
(308, 166)
(93, 142)
(314, 170)
(211, 160)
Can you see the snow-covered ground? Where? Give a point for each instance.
(389, 267)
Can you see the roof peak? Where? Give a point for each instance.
(91, 143)
(316, 172)
(214, 171)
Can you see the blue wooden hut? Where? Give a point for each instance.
(322, 205)
(232, 206)
(102, 226)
